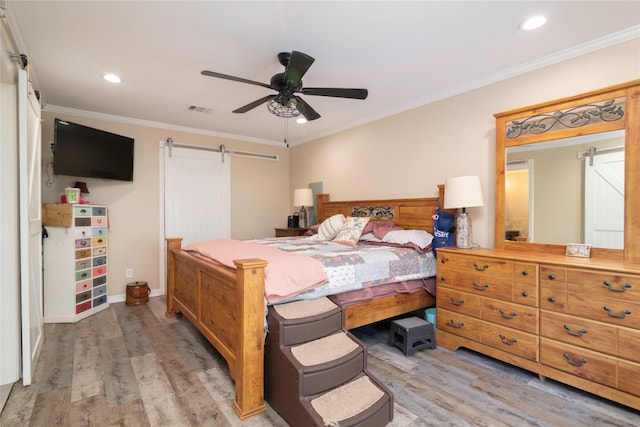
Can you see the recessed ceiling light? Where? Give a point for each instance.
(533, 22)
(112, 78)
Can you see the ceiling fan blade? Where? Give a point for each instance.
(308, 112)
(254, 104)
(235, 79)
(298, 65)
(336, 92)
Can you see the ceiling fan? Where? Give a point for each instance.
(286, 103)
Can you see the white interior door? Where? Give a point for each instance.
(604, 200)
(197, 191)
(29, 142)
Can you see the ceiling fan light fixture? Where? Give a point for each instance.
(290, 110)
(301, 120)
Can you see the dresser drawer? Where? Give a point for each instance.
(83, 286)
(510, 314)
(579, 361)
(83, 264)
(629, 344)
(629, 377)
(83, 243)
(460, 302)
(553, 289)
(459, 324)
(510, 340)
(83, 253)
(481, 266)
(99, 241)
(99, 221)
(605, 285)
(525, 283)
(492, 287)
(578, 331)
(82, 232)
(99, 271)
(100, 250)
(615, 311)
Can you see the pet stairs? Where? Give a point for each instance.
(316, 372)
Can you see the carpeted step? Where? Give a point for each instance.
(302, 321)
(362, 402)
(326, 363)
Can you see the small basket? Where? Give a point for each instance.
(137, 293)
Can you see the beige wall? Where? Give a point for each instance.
(259, 195)
(408, 154)
(405, 155)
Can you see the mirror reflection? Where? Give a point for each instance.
(567, 191)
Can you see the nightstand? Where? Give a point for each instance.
(289, 232)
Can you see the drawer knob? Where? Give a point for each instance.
(525, 294)
(525, 273)
(580, 333)
(571, 362)
(623, 289)
(483, 268)
(507, 316)
(444, 260)
(617, 316)
(480, 287)
(453, 324)
(552, 299)
(504, 340)
(552, 277)
(457, 303)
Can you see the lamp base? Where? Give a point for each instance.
(302, 218)
(464, 236)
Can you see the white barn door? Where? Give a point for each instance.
(29, 141)
(604, 200)
(197, 201)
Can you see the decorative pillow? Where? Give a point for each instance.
(380, 228)
(351, 230)
(330, 227)
(420, 238)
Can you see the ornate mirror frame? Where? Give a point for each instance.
(612, 108)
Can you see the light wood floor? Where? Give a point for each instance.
(131, 366)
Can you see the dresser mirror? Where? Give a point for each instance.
(581, 176)
(561, 172)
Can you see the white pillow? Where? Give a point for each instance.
(401, 237)
(330, 227)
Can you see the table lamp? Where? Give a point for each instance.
(303, 197)
(463, 192)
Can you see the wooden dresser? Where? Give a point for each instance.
(576, 320)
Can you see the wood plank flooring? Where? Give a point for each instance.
(132, 366)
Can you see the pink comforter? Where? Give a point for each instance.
(287, 274)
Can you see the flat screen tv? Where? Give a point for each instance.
(87, 152)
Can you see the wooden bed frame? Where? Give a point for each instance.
(227, 306)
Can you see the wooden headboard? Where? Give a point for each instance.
(413, 214)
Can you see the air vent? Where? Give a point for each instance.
(199, 109)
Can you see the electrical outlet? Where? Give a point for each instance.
(129, 273)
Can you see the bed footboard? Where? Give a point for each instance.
(227, 307)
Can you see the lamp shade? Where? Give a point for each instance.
(462, 192)
(82, 186)
(303, 197)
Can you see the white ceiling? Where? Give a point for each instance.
(405, 53)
